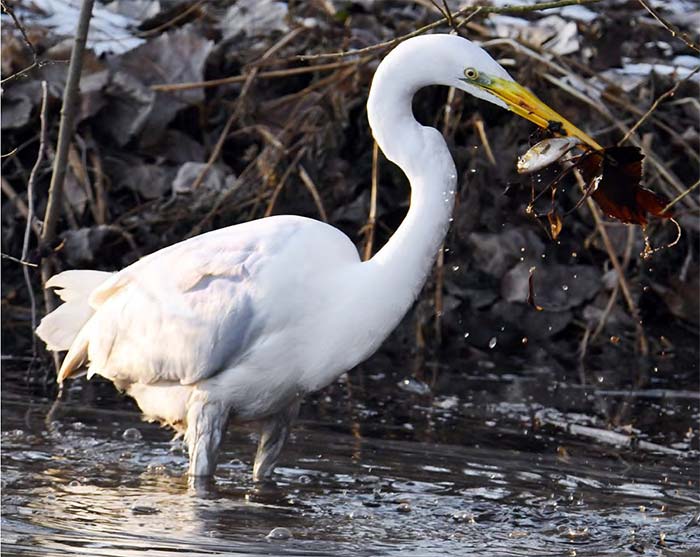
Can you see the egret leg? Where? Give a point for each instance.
(205, 427)
(273, 435)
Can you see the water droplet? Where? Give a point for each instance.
(524, 340)
(279, 534)
(466, 335)
(544, 256)
(132, 434)
(404, 508)
(455, 268)
(574, 254)
(492, 342)
(74, 483)
(564, 287)
(522, 250)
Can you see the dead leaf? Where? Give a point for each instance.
(614, 175)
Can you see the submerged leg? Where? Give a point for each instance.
(205, 427)
(273, 435)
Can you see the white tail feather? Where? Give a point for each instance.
(60, 328)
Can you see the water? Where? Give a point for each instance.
(521, 465)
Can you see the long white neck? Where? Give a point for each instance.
(398, 271)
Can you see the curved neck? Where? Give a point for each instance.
(397, 272)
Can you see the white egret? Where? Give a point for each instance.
(244, 321)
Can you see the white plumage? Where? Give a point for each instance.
(242, 322)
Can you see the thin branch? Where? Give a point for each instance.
(36, 63)
(250, 78)
(30, 207)
(669, 27)
(21, 262)
(179, 17)
(656, 104)
(20, 205)
(622, 281)
(313, 190)
(65, 131)
(463, 12)
(170, 87)
(282, 182)
(372, 218)
(681, 196)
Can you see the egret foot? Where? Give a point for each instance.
(273, 435)
(205, 427)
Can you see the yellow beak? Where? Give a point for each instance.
(525, 104)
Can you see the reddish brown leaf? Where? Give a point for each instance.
(616, 173)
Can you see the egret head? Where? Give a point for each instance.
(504, 91)
(457, 62)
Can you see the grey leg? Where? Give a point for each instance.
(273, 435)
(205, 427)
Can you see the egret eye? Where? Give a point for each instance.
(471, 73)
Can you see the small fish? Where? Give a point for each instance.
(545, 152)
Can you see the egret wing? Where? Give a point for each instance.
(186, 312)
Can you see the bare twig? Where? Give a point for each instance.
(627, 294)
(438, 294)
(101, 211)
(250, 78)
(36, 63)
(70, 97)
(172, 21)
(669, 27)
(8, 10)
(170, 87)
(681, 196)
(282, 181)
(313, 190)
(481, 131)
(372, 218)
(20, 205)
(30, 207)
(463, 12)
(616, 289)
(656, 104)
(20, 261)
